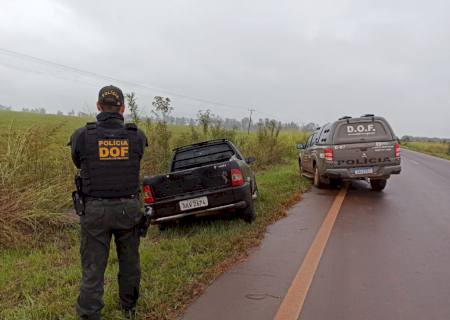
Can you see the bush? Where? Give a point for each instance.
(270, 145)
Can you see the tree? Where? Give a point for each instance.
(204, 119)
(162, 107)
(133, 106)
(310, 126)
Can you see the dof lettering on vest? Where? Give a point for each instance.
(113, 149)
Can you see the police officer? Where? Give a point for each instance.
(108, 154)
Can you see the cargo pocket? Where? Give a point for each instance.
(94, 213)
(132, 210)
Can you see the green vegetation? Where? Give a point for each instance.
(35, 175)
(437, 149)
(40, 260)
(36, 171)
(42, 283)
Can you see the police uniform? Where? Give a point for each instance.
(108, 154)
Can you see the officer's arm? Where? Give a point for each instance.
(144, 139)
(75, 147)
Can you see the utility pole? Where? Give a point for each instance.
(250, 120)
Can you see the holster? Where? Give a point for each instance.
(77, 197)
(144, 224)
(78, 203)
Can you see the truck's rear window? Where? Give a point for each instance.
(362, 131)
(185, 159)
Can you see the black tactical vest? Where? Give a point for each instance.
(110, 166)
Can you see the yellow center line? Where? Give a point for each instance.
(292, 304)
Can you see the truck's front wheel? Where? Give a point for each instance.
(378, 184)
(248, 214)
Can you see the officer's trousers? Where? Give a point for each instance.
(104, 218)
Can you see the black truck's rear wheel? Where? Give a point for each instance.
(378, 184)
(335, 182)
(163, 226)
(248, 214)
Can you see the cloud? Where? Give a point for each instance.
(302, 61)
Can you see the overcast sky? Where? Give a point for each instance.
(305, 61)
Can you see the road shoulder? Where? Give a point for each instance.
(255, 288)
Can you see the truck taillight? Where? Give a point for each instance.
(148, 194)
(397, 150)
(237, 179)
(328, 154)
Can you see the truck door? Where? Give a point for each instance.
(314, 150)
(307, 157)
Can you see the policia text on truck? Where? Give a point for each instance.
(108, 154)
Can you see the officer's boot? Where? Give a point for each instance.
(129, 313)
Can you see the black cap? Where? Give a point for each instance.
(111, 95)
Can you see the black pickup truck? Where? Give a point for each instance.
(204, 178)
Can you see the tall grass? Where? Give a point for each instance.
(36, 169)
(34, 184)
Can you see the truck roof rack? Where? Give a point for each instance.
(367, 115)
(345, 117)
(203, 143)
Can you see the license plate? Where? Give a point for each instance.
(364, 171)
(193, 203)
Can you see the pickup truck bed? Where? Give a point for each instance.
(205, 178)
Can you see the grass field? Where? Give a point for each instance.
(42, 283)
(36, 170)
(437, 149)
(40, 272)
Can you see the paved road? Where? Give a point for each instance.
(388, 256)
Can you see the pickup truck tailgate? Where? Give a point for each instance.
(192, 180)
(365, 154)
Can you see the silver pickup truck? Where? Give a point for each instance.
(351, 148)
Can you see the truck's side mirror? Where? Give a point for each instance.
(300, 146)
(250, 160)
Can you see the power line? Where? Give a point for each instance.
(109, 78)
(91, 74)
